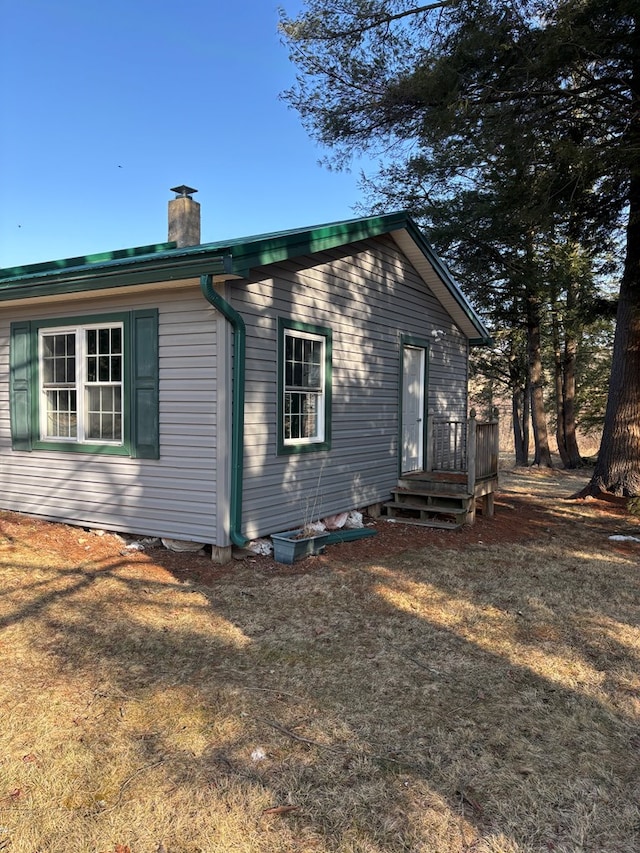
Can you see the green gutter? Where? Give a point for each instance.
(121, 272)
(237, 406)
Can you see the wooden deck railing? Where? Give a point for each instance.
(469, 446)
(446, 445)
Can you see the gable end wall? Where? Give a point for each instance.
(370, 298)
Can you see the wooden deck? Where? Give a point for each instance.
(461, 473)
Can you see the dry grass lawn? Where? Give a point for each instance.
(454, 692)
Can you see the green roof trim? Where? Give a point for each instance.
(97, 272)
(83, 261)
(227, 259)
(251, 252)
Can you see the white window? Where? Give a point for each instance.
(304, 387)
(81, 384)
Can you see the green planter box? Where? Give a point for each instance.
(287, 548)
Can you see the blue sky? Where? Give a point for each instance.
(106, 105)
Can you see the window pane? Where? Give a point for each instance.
(47, 370)
(62, 419)
(116, 368)
(58, 360)
(92, 369)
(47, 346)
(104, 340)
(104, 413)
(303, 363)
(307, 349)
(92, 341)
(104, 373)
(308, 426)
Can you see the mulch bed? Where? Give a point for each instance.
(517, 518)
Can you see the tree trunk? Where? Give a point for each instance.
(538, 416)
(618, 467)
(519, 399)
(565, 387)
(574, 459)
(558, 375)
(519, 419)
(526, 419)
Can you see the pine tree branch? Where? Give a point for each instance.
(377, 21)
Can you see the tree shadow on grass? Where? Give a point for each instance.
(410, 704)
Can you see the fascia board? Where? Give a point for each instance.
(115, 273)
(274, 248)
(232, 259)
(236, 259)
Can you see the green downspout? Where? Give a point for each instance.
(237, 406)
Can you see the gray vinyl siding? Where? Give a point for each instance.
(173, 496)
(369, 296)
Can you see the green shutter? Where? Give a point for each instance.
(145, 418)
(20, 385)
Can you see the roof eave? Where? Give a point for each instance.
(235, 259)
(274, 248)
(123, 272)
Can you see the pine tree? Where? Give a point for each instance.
(450, 92)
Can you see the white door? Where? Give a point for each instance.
(413, 375)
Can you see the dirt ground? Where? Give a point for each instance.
(530, 503)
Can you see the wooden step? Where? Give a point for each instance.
(428, 497)
(438, 509)
(425, 509)
(429, 492)
(429, 485)
(437, 476)
(440, 524)
(431, 516)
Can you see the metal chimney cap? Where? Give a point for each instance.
(183, 191)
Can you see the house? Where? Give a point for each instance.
(208, 392)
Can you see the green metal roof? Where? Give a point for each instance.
(230, 259)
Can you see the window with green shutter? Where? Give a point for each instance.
(86, 384)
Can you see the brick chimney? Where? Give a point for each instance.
(184, 218)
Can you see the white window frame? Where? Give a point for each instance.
(319, 395)
(81, 385)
